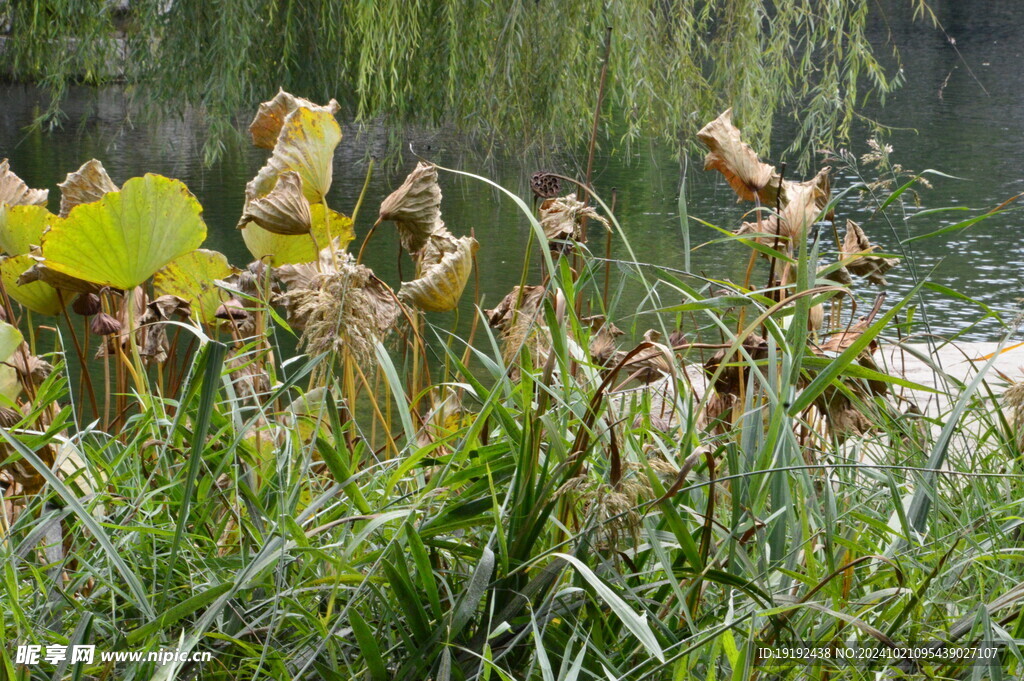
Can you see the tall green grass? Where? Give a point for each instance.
(551, 526)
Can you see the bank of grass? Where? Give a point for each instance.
(517, 516)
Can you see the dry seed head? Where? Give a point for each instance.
(347, 309)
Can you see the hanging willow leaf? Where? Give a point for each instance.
(284, 210)
(22, 227)
(37, 296)
(305, 145)
(415, 207)
(736, 160)
(87, 184)
(440, 285)
(857, 246)
(270, 118)
(193, 277)
(280, 249)
(14, 191)
(126, 236)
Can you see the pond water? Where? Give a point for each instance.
(960, 112)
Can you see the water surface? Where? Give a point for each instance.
(960, 112)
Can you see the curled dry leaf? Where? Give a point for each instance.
(32, 370)
(306, 146)
(561, 217)
(440, 284)
(602, 340)
(14, 191)
(282, 211)
(415, 207)
(736, 160)
(266, 126)
(87, 184)
(517, 318)
(289, 249)
(802, 202)
(39, 272)
(857, 246)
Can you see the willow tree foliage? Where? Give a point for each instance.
(522, 71)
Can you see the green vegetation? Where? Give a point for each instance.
(524, 71)
(538, 500)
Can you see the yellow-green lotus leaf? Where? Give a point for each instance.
(14, 191)
(22, 227)
(37, 296)
(126, 236)
(87, 184)
(280, 249)
(10, 386)
(192, 277)
(266, 126)
(440, 286)
(10, 339)
(306, 145)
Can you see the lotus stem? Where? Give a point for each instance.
(86, 380)
(362, 194)
(778, 229)
(366, 240)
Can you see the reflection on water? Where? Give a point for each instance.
(960, 112)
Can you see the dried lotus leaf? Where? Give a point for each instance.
(562, 218)
(266, 126)
(441, 284)
(415, 207)
(288, 249)
(40, 272)
(736, 160)
(801, 210)
(284, 210)
(306, 146)
(87, 184)
(14, 191)
(872, 267)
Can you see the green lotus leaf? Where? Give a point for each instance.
(10, 339)
(280, 249)
(192, 277)
(126, 236)
(37, 296)
(22, 227)
(305, 145)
